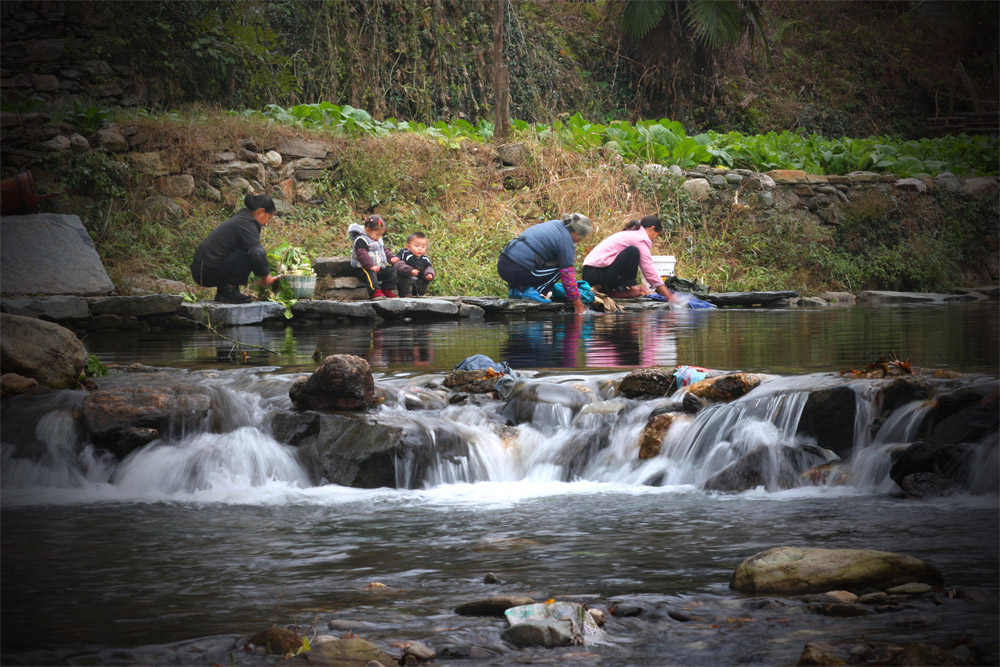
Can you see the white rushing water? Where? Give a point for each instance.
(564, 434)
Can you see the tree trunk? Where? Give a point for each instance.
(501, 77)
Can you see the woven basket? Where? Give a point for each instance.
(303, 287)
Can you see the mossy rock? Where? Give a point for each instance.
(793, 571)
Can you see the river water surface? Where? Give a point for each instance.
(175, 555)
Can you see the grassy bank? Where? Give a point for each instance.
(453, 191)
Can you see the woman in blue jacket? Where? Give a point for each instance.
(542, 254)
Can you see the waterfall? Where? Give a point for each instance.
(220, 463)
(872, 458)
(567, 429)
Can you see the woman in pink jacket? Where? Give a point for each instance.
(613, 264)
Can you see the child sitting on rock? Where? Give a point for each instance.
(415, 270)
(371, 259)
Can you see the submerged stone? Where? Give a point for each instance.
(493, 606)
(820, 654)
(350, 652)
(277, 640)
(794, 570)
(546, 633)
(918, 654)
(773, 468)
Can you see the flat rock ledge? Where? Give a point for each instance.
(165, 311)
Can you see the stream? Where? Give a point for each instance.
(178, 553)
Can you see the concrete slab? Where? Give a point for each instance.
(422, 308)
(137, 306)
(313, 309)
(874, 297)
(223, 314)
(762, 299)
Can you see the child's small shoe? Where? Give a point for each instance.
(378, 294)
(513, 293)
(389, 294)
(531, 294)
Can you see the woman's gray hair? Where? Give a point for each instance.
(579, 223)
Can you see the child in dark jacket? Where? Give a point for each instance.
(414, 269)
(370, 257)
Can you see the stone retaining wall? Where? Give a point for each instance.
(291, 170)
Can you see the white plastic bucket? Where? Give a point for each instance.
(664, 264)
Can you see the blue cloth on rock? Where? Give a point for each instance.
(480, 362)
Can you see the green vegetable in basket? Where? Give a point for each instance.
(287, 259)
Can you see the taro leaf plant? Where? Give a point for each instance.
(664, 141)
(87, 119)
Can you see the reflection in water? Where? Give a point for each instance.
(960, 337)
(400, 346)
(543, 344)
(610, 341)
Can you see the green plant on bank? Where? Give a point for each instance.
(738, 248)
(908, 244)
(95, 368)
(87, 119)
(29, 105)
(376, 173)
(670, 200)
(664, 141)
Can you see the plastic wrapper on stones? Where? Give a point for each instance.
(584, 628)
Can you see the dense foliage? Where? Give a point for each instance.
(665, 142)
(833, 71)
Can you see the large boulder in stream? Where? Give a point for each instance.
(795, 571)
(725, 388)
(364, 453)
(648, 383)
(655, 431)
(46, 352)
(125, 418)
(773, 468)
(902, 390)
(828, 416)
(342, 382)
(959, 454)
(545, 402)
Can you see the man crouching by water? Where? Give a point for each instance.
(232, 250)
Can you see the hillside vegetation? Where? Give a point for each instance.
(409, 87)
(836, 68)
(454, 190)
